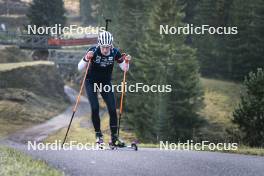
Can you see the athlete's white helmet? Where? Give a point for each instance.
(105, 38)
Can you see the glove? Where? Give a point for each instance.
(127, 58)
(88, 56)
(125, 64)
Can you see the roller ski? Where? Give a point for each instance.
(116, 143)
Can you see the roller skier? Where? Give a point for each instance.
(102, 58)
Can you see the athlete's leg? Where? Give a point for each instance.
(109, 99)
(93, 99)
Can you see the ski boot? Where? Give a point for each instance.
(99, 140)
(115, 142)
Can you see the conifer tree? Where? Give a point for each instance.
(46, 13)
(249, 115)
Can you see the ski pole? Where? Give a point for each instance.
(77, 101)
(121, 100)
(106, 23)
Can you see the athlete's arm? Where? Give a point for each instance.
(83, 62)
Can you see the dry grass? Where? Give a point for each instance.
(11, 66)
(30, 93)
(13, 54)
(221, 97)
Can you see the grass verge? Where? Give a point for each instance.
(13, 162)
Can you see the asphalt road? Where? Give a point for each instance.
(150, 162)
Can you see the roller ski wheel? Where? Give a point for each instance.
(111, 146)
(134, 146)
